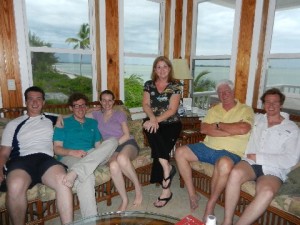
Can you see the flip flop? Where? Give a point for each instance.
(166, 200)
(170, 177)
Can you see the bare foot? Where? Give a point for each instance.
(138, 197)
(194, 202)
(208, 211)
(123, 205)
(69, 179)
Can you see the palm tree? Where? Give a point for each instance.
(83, 40)
(202, 83)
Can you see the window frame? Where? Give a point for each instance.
(234, 47)
(267, 49)
(124, 54)
(25, 49)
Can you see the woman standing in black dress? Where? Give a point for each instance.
(160, 102)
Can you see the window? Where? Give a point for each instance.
(213, 48)
(283, 57)
(59, 34)
(145, 24)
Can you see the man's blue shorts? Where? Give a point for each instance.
(209, 155)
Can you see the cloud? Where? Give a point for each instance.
(55, 21)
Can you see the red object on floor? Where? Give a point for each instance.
(189, 220)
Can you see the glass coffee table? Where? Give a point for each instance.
(128, 218)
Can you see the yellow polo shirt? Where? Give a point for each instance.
(237, 143)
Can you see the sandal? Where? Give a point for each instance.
(170, 177)
(166, 200)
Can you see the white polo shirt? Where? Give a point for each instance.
(33, 136)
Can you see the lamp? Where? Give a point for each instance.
(181, 69)
(182, 72)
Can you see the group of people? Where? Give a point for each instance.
(241, 146)
(81, 141)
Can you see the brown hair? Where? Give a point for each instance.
(107, 92)
(169, 64)
(273, 91)
(77, 96)
(34, 89)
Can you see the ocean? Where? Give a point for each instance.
(278, 72)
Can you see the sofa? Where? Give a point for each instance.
(42, 199)
(283, 210)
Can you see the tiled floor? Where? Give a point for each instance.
(177, 207)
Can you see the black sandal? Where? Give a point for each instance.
(166, 200)
(170, 177)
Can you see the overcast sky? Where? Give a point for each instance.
(54, 21)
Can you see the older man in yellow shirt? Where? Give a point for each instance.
(227, 127)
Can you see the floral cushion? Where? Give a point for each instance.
(204, 168)
(143, 159)
(102, 174)
(32, 194)
(46, 193)
(288, 197)
(136, 129)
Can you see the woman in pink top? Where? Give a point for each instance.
(113, 123)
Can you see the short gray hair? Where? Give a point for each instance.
(225, 81)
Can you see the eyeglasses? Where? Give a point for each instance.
(76, 106)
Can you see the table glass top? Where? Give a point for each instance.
(128, 218)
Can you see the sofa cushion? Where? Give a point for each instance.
(32, 194)
(204, 168)
(143, 159)
(136, 129)
(102, 175)
(292, 185)
(288, 197)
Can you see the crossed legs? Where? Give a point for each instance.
(166, 194)
(120, 163)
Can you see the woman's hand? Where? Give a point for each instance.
(93, 109)
(59, 122)
(151, 126)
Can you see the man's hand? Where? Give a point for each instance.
(78, 153)
(2, 164)
(252, 157)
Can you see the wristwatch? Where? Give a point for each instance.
(217, 125)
